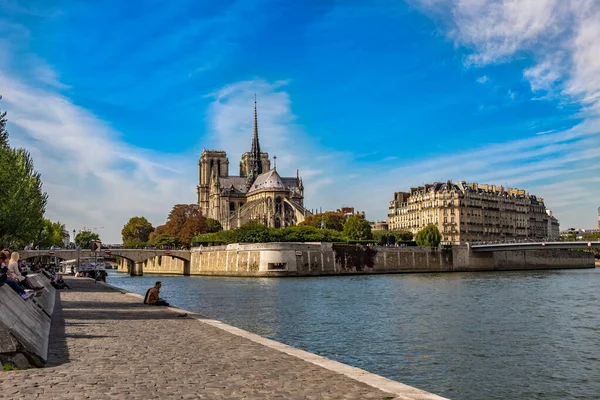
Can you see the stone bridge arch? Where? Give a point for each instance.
(138, 257)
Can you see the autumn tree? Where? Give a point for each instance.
(136, 232)
(184, 222)
(429, 236)
(160, 238)
(357, 227)
(326, 220)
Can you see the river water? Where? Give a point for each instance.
(498, 335)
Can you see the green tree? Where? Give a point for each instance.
(252, 232)
(326, 220)
(85, 238)
(136, 232)
(357, 228)
(212, 226)
(51, 234)
(429, 236)
(164, 240)
(592, 236)
(403, 236)
(3, 132)
(384, 237)
(22, 201)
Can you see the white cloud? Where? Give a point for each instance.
(483, 79)
(93, 179)
(545, 132)
(562, 38)
(231, 125)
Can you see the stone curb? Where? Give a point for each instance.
(402, 391)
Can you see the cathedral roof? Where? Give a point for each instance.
(268, 180)
(291, 182)
(233, 184)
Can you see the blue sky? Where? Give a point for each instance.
(116, 99)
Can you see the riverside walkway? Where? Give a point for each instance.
(105, 344)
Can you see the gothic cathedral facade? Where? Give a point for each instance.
(258, 194)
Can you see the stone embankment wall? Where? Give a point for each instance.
(310, 259)
(306, 259)
(25, 325)
(465, 260)
(155, 265)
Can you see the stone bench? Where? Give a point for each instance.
(25, 325)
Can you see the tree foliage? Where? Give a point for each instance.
(253, 232)
(164, 240)
(51, 234)
(85, 238)
(212, 226)
(3, 132)
(184, 222)
(22, 201)
(429, 236)
(357, 227)
(136, 232)
(403, 236)
(592, 236)
(327, 220)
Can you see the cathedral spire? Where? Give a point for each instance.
(256, 164)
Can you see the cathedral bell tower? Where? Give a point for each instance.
(212, 163)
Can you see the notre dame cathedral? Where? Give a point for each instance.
(258, 194)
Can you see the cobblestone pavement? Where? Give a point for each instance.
(105, 344)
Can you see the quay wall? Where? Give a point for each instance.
(313, 259)
(466, 260)
(163, 265)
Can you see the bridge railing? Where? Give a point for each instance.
(54, 248)
(529, 240)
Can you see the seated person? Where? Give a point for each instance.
(152, 296)
(15, 271)
(6, 276)
(59, 283)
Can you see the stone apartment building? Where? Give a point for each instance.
(471, 212)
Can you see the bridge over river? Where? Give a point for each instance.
(508, 246)
(135, 256)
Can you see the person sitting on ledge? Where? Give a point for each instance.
(59, 283)
(6, 276)
(13, 266)
(152, 296)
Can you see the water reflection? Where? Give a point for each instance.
(469, 335)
